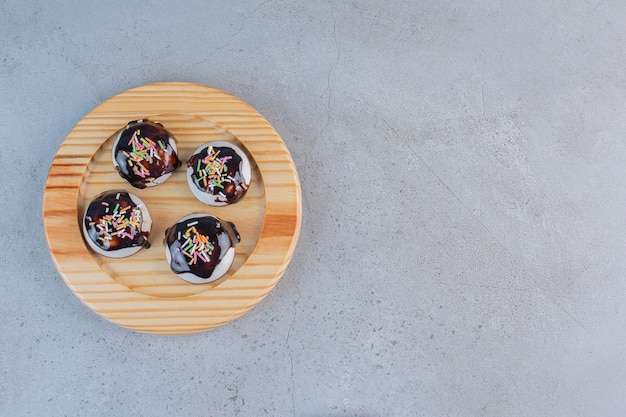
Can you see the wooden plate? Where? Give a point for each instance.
(140, 292)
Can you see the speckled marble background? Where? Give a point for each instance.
(463, 178)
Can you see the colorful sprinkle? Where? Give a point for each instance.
(196, 245)
(212, 170)
(121, 223)
(143, 150)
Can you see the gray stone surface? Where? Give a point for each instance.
(462, 168)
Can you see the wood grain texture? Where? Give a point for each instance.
(140, 292)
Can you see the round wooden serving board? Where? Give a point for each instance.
(140, 292)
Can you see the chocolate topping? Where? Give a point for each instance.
(198, 244)
(144, 152)
(217, 171)
(113, 221)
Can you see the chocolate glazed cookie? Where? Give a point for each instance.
(117, 224)
(218, 173)
(145, 154)
(200, 248)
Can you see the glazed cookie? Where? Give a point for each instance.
(200, 248)
(117, 224)
(218, 173)
(145, 154)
